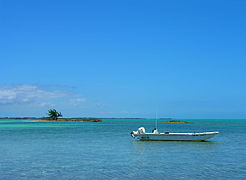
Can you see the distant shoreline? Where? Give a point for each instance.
(58, 120)
(42, 118)
(20, 118)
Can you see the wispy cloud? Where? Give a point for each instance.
(77, 101)
(39, 95)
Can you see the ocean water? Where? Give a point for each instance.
(74, 150)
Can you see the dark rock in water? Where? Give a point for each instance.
(178, 122)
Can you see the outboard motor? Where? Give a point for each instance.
(141, 130)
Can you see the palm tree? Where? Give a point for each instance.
(53, 114)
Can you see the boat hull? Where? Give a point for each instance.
(175, 136)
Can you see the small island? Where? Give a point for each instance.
(178, 122)
(53, 117)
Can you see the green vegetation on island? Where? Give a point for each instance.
(53, 114)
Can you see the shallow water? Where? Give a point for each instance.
(50, 150)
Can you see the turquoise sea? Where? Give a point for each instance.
(64, 151)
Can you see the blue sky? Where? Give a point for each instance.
(181, 59)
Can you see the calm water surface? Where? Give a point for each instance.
(45, 150)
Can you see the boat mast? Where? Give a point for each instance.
(156, 120)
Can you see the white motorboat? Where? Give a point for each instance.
(140, 134)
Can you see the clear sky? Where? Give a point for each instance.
(129, 58)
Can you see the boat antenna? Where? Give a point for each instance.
(156, 120)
